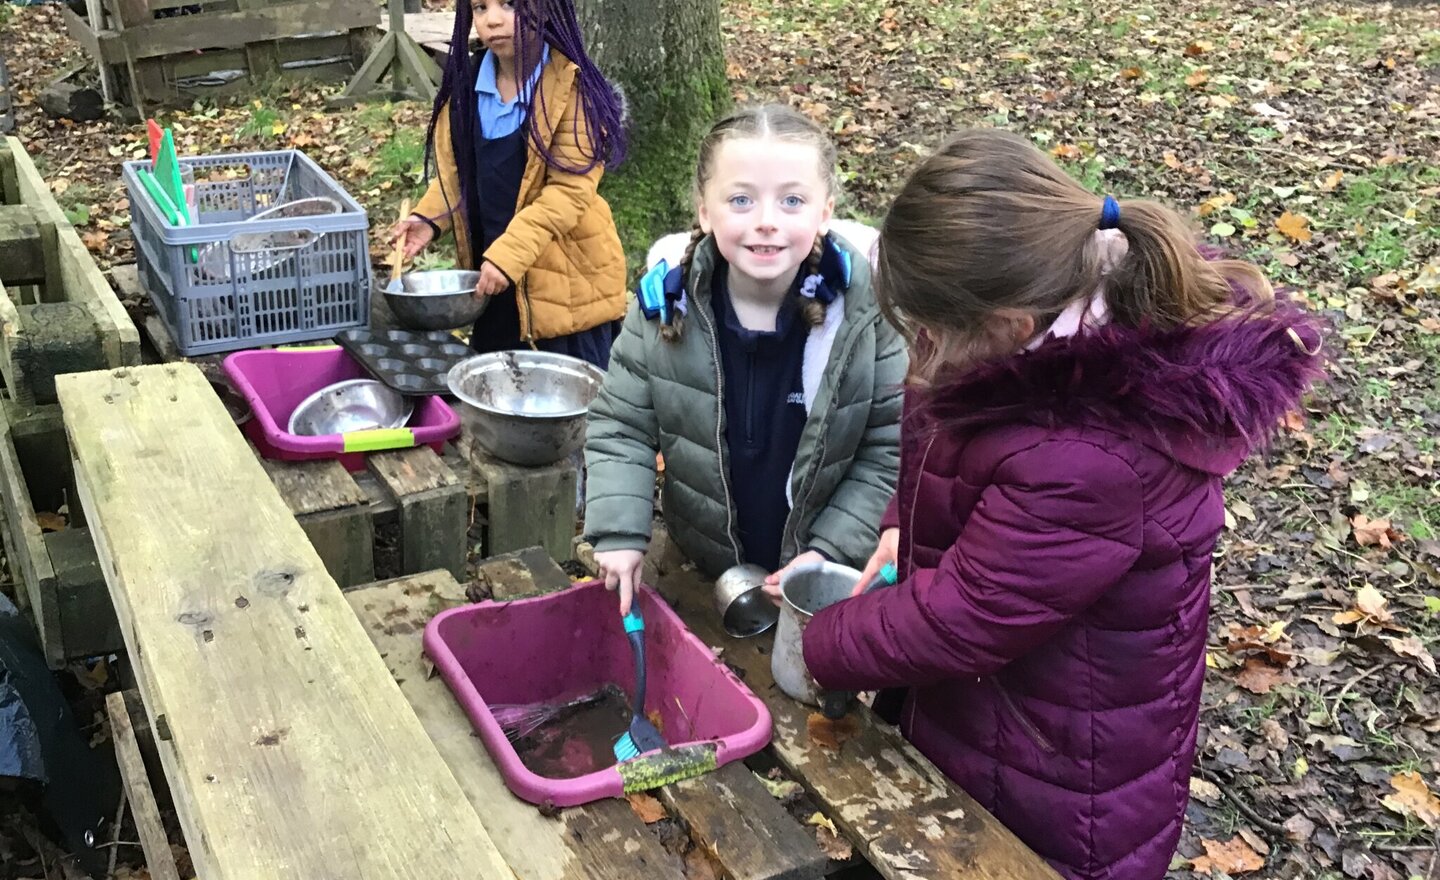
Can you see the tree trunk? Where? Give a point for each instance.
(668, 58)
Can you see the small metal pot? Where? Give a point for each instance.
(740, 598)
(805, 590)
(525, 407)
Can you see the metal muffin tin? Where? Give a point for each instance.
(409, 361)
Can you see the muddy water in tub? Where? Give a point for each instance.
(577, 741)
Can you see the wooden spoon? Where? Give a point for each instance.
(397, 258)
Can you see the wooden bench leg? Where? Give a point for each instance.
(345, 540)
(433, 509)
(529, 506)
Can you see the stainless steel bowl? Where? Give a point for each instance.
(352, 405)
(525, 407)
(436, 300)
(740, 598)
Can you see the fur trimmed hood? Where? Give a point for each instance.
(1205, 396)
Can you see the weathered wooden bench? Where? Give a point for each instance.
(57, 312)
(287, 746)
(897, 811)
(434, 501)
(57, 315)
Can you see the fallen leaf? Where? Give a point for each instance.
(1298, 828)
(831, 843)
(699, 866)
(50, 522)
(1066, 151)
(780, 789)
(1293, 422)
(1369, 605)
(1412, 646)
(1373, 532)
(1332, 181)
(1430, 325)
(1204, 790)
(1172, 161)
(831, 734)
(1259, 677)
(1199, 47)
(1295, 227)
(646, 807)
(1413, 797)
(1132, 73)
(1198, 77)
(1234, 856)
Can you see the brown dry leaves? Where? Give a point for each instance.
(1295, 227)
(829, 734)
(1413, 797)
(1373, 532)
(646, 808)
(828, 836)
(1232, 857)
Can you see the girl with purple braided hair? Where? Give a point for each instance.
(519, 138)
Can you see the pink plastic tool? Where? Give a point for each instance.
(275, 381)
(556, 647)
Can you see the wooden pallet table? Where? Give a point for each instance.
(288, 748)
(893, 806)
(163, 52)
(57, 315)
(432, 499)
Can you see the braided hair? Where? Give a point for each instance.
(602, 107)
(773, 121)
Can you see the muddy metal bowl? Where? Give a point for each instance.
(740, 598)
(352, 405)
(805, 589)
(442, 299)
(525, 407)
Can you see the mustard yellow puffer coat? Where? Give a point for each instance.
(561, 250)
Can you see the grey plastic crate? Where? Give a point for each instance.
(214, 296)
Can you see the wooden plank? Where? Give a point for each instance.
(434, 508)
(729, 813)
(71, 273)
(261, 57)
(288, 748)
(599, 841)
(528, 506)
(21, 258)
(334, 512)
(903, 815)
(430, 29)
(749, 833)
(25, 549)
(234, 30)
(143, 809)
(12, 349)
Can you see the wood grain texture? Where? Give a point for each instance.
(905, 817)
(288, 747)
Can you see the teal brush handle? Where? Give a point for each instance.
(635, 632)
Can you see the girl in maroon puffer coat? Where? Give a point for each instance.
(1082, 381)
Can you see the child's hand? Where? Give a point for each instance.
(885, 552)
(417, 233)
(772, 582)
(621, 570)
(492, 281)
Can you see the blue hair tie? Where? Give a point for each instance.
(1110, 214)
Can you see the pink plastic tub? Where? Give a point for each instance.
(275, 381)
(558, 646)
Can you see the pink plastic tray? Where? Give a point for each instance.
(275, 381)
(554, 647)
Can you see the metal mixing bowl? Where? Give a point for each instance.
(740, 598)
(525, 407)
(352, 405)
(442, 299)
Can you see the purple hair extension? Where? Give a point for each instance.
(601, 104)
